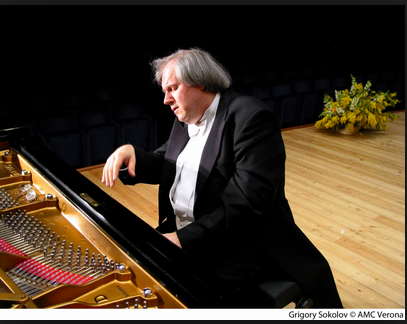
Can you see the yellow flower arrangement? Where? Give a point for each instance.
(357, 108)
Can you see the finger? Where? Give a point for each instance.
(132, 165)
(117, 163)
(107, 171)
(104, 173)
(102, 179)
(111, 171)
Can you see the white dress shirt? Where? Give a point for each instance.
(182, 193)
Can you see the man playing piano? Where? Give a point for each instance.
(221, 195)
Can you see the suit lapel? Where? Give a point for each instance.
(213, 143)
(178, 139)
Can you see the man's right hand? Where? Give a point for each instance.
(124, 155)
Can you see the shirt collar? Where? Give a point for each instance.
(207, 117)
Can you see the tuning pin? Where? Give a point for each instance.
(99, 262)
(31, 195)
(86, 258)
(147, 292)
(93, 261)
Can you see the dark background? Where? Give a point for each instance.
(67, 60)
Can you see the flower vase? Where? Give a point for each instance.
(349, 129)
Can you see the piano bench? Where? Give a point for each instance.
(284, 292)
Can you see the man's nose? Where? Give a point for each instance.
(168, 99)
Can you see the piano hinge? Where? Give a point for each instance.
(89, 199)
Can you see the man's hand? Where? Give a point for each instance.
(124, 155)
(173, 237)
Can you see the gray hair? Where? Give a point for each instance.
(195, 67)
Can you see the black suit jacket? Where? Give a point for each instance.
(244, 230)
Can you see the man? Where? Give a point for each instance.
(221, 194)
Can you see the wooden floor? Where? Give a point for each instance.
(347, 193)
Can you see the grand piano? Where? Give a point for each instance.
(64, 243)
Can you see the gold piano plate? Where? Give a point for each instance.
(10, 170)
(114, 290)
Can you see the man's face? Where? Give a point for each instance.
(185, 100)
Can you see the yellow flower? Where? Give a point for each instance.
(372, 120)
(360, 105)
(318, 124)
(380, 98)
(352, 117)
(346, 101)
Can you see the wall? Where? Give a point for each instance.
(59, 60)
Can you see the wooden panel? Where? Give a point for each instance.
(141, 198)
